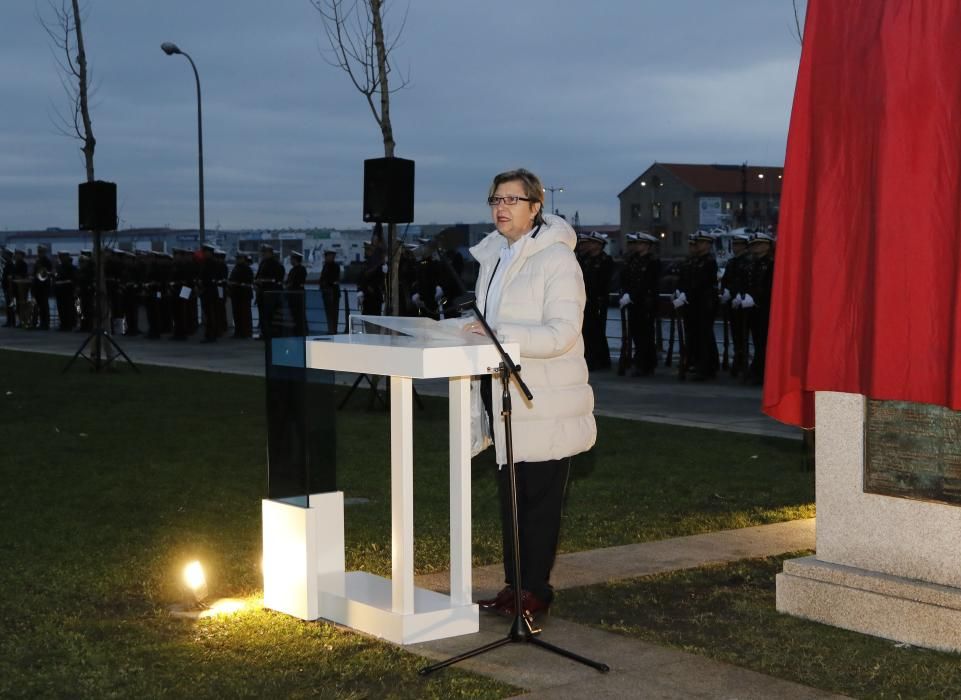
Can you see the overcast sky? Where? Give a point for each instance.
(586, 94)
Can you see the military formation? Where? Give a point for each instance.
(427, 279)
(692, 295)
(183, 291)
(179, 293)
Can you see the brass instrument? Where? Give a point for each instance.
(43, 275)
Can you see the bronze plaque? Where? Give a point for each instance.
(912, 450)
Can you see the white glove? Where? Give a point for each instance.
(383, 268)
(625, 300)
(415, 297)
(726, 296)
(737, 301)
(360, 300)
(680, 299)
(438, 293)
(748, 302)
(677, 303)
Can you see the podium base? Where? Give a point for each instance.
(362, 601)
(304, 577)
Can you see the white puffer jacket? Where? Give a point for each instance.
(541, 309)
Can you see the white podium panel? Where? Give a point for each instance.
(394, 608)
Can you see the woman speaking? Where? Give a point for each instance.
(531, 291)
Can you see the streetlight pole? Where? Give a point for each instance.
(170, 49)
(552, 190)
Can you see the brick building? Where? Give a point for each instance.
(672, 200)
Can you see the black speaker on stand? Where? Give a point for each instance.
(388, 190)
(97, 212)
(388, 199)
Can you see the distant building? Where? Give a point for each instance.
(672, 200)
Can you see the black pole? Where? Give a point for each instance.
(200, 149)
(744, 193)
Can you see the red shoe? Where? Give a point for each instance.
(531, 603)
(505, 595)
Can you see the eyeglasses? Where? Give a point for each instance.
(509, 199)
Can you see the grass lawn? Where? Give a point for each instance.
(111, 483)
(727, 612)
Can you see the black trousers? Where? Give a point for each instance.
(540, 499)
(641, 321)
(758, 319)
(597, 352)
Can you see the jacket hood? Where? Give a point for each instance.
(553, 230)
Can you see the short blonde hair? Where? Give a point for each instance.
(533, 189)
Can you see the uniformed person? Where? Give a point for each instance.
(241, 288)
(681, 307)
(702, 306)
(208, 292)
(330, 288)
(181, 291)
(220, 256)
(757, 300)
(21, 286)
(132, 291)
(113, 281)
(153, 293)
(86, 283)
(7, 287)
(372, 280)
(733, 288)
(294, 289)
(40, 288)
(164, 274)
(640, 280)
(269, 279)
(597, 267)
(64, 285)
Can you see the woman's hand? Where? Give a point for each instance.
(474, 327)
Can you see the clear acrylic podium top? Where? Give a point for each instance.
(420, 348)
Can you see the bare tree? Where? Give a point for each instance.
(361, 48)
(799, 9)
(64, 26)
(356, 34)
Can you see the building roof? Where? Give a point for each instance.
(721, 178)
(603, 228)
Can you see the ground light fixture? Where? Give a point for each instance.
(194, 604)
(196, 583)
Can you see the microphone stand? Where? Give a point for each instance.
(521, 630)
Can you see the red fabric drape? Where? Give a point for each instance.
(866, 288)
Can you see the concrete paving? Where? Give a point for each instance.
(632, 560)
(723, 404)
(638, 669)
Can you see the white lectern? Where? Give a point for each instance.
(304, 571)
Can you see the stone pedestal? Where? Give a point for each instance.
(885, 566)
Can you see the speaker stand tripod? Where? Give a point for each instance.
(99, 338)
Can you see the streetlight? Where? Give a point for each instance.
(652, 219)
(552, 190)
(170, 49)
